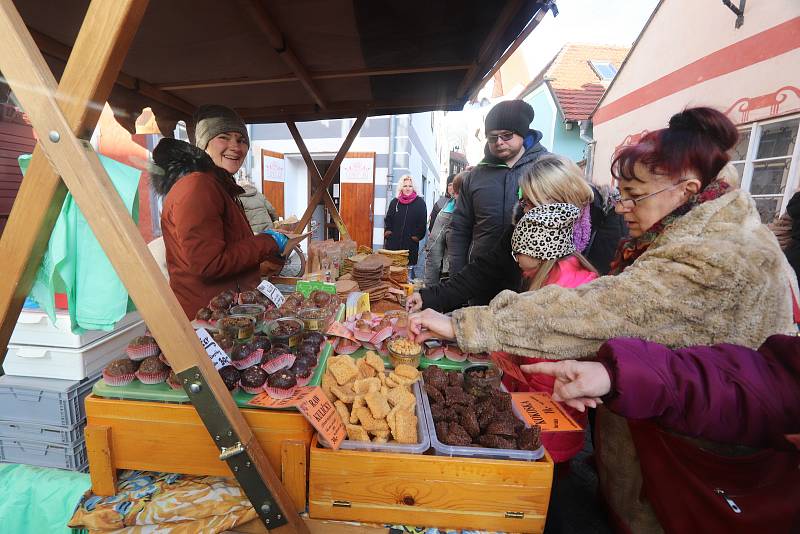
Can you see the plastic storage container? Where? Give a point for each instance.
(43, 433)
(70, 363)
(35, 328)
(416, 448)
(442, 449)
(72, 457)
(48, 401)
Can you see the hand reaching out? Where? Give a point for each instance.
(429, 324)
(414, 303)
(578, 384)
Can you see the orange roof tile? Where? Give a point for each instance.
(575, 84)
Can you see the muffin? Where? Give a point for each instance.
(248, 297)
(261, 342)
(281, 385)
(244, 355)
(301, 371)
(230, 376)
(204, 314)
(173, 381)
(312, 337)
(230, 296)
(219, 303)
(307, 349)
(253, 380)
(275, 360)
(309, 359)
(152, 371)
(142, 347)
(120, 372)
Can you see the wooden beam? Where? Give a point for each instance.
(314, 170)
(278, 42)
(98, 200)
(489, 44)
(55, 49)
(330, 173)
(283, 78)
(301, 112)
(100, 48)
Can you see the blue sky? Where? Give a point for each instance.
(614, 22)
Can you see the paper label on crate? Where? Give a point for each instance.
(538, 408)
(506, 363)
(305, 287)
(217, 355)
(315, 407)
(272, 293)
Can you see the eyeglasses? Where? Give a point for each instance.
(631, 203)
(492, 139)
(526, 204)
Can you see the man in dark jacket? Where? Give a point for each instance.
(490, 191)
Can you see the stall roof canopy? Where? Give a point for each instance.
(297, 59)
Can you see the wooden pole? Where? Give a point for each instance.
(82, 172)
(100, 48)
(312, 167)
(331, 172)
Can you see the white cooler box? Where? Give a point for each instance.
(70, 363)
(35, 328)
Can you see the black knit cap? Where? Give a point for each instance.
(512, 115)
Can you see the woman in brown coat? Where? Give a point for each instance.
(210, 246)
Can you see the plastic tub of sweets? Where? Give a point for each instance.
(285, 330)
(256, 311)
(316, 319)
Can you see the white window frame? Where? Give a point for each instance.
(755, 129)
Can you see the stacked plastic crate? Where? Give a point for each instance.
(48, 372)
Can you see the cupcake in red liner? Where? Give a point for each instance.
(142, 347)
(230, 377)
(313, 337)
(248, 297)
(261, 342)
(244, 356)
(120, 372)
(302, 372)
(219, 303)
(152, 371)
(309, 360)
(275, 362)
(253, 380)
(281, 385)
(164, 359)
(173, 381)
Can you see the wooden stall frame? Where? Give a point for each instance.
(75, 161)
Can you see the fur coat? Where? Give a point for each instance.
(715, 275)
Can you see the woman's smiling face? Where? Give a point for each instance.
(227, 150)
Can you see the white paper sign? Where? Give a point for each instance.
(217, 355)
(272, 293)
(273, 169)
(356, 170)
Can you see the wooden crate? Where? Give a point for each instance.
(430, 491)
(157, 436)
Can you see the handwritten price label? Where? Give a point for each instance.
(272, 293)
(217, 355)
(539, 409)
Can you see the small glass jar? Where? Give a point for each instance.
(256, 311)
(401, 351)
(315, 319)
(239, 328)
(286, 330)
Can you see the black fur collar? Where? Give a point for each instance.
(173, 159)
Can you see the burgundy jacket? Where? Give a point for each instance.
(723, 393)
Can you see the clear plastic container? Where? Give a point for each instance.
(239, 328)
(406, 448)
(256, 311)
(475, 384)
(316, 319)
(286, 330)
(441, 449)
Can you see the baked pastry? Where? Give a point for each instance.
(142, 347)
(244, 356)
(120, 372)
(173, 382)
(152, 371)
(253, 379)
(302, 372)
(204, 314)
(313, 337)
(230, 376)
(281, 385)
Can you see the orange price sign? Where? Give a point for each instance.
(538, 408)
(315, 406)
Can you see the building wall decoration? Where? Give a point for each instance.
(766, 106)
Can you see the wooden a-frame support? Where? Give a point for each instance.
(322, 183)
(109, 28)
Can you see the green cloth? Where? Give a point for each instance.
(75, 263)
(39, 499)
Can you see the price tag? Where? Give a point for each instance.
(272, 293)
(305, 287)
(217, 355)
(315, 407)
(540, 409)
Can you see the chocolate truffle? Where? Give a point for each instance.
(230, 376)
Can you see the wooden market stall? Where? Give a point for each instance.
(281, 61)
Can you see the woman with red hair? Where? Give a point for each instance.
(699, 268)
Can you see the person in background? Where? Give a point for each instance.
(436, 245)
(491, 190)
(443, 201)
(259, 212)
(607, 229)
(698, 268)
(209, 244)
(404, 222)
(787, 230)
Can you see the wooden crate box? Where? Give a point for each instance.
(430, 491)
(157, 436)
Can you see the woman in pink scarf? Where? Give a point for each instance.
(404, 224)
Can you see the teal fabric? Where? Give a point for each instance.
(75, 263)
(450, 207)
(39, 499)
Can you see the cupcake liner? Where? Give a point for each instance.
(381, 335)
(347, 347)
(280, 393)
(164, 359)
(363, 335)
(174, 384)
(140, 352)
(251, 359)
(303, 381)
(251, 390)
(284, 361)
(116, 381)
(152, 378)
